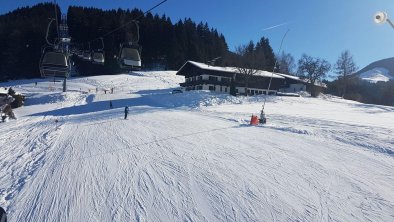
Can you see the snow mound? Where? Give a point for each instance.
(376, 75)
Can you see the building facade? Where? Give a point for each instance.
(200, 76)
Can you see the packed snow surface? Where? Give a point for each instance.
(192, 156)
(377, 75)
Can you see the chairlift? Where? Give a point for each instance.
(87, 56)
(80, 54)
(129, 58)
(54, 61)
(55, 64)
(98, 56)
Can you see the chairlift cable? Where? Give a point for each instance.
(276, 63)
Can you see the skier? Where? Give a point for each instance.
(126, 111)
(110, 104)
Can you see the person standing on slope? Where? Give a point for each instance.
(126, 111)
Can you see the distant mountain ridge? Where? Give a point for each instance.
(382, 70)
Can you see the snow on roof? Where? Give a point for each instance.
(291, 77)
(231, 69)
(317, 83)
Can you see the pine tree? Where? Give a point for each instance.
(344, 67)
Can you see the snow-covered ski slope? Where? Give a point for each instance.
(192, 156)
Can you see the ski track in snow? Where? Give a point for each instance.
(176, 160)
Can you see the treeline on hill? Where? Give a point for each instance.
(163, 43)
(381, 93)
(21, 38)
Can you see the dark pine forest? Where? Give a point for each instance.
(165, 43)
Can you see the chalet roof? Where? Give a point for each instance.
(230, 69)
(317, 83)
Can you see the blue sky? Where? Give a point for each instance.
(319, 28)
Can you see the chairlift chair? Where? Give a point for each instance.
(80, 54)
(55, 61)
(98, 55)
(98, 58)
(55, 64)
(87, 56)
(130, 57)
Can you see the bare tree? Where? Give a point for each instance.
(344, 67)
(248, 62)
(286, 63)
(313, 69)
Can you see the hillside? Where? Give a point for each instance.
(382, 70)
(192, 156)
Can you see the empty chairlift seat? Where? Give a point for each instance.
(55, 64)
(87, 56)
(98, 58)
(129, 58)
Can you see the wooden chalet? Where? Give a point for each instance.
(200, 76)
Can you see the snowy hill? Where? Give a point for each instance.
(192, 156)
(382, 70)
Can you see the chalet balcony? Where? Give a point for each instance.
(206, 82)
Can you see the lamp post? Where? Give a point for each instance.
(381, 18)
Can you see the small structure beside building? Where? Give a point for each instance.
(200, 76)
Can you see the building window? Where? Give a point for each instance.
(199, 78)
(225, 79)
(212, 88)
(213, 78)
(199, 87)
(225, 89)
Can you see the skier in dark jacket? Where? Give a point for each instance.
(126, 111)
